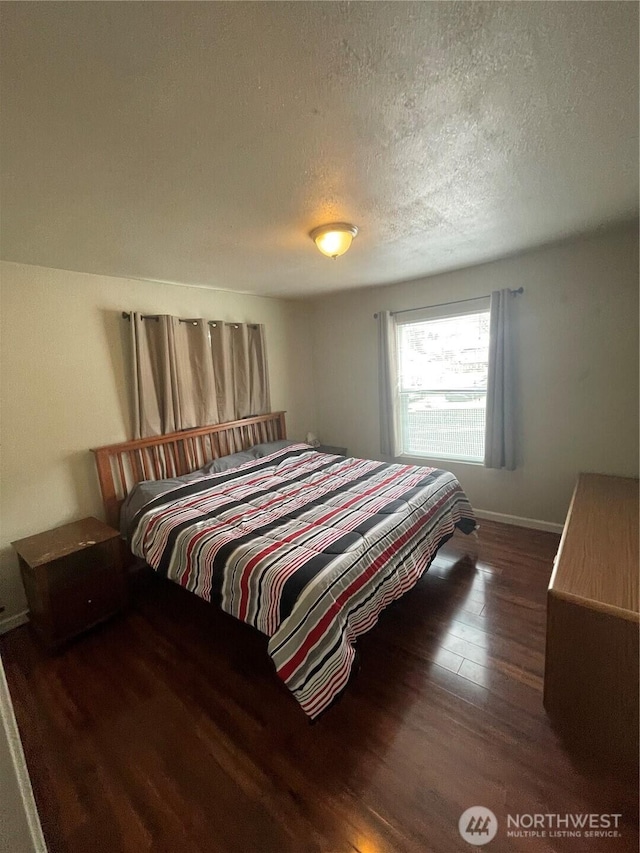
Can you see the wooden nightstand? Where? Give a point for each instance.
(73, 577)
(330, 448)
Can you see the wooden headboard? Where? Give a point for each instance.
(121, 466)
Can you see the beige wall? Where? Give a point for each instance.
(577, 371)
(64, 386)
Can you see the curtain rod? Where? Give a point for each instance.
(126, 315)
(444, 304)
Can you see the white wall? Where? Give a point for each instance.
(577, 371)
(64, 386)
(20, 830)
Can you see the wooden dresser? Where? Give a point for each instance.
(591, 666)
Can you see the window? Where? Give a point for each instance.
(442, 365)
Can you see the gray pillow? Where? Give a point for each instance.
(268, 447)
(146, 491)
(217, 466)
(150, 489)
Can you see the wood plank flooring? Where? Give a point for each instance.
(168, 730)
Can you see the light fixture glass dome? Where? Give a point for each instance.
(334, 239)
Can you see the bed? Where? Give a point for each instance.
(308, 548)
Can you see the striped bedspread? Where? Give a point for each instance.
(306, 547)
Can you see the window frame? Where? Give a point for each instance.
(421, 315)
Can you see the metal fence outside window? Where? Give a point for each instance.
(443, 425)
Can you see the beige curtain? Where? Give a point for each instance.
(249, 369)
(153, 409)
(500, 446)
(189, 373)
(239, 355)
(222, 362)
(241, 369)
(195, 375)
(173, 380)
(259, 390)
(388, 385)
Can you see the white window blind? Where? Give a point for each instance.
(442, 383)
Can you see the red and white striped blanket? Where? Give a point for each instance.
(306, 547)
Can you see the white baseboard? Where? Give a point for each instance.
(533, 523)
(11, 622)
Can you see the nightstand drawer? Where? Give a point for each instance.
(84, 588)
(91, 567)
(82, 608)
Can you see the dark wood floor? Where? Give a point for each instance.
(168, 729)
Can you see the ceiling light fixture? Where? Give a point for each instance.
(334, 239)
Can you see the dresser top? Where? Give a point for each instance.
(597, 562)
(53, 544)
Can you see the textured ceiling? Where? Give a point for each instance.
(200, 142)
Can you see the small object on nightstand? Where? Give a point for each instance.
(73, 576)
(330, 448)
